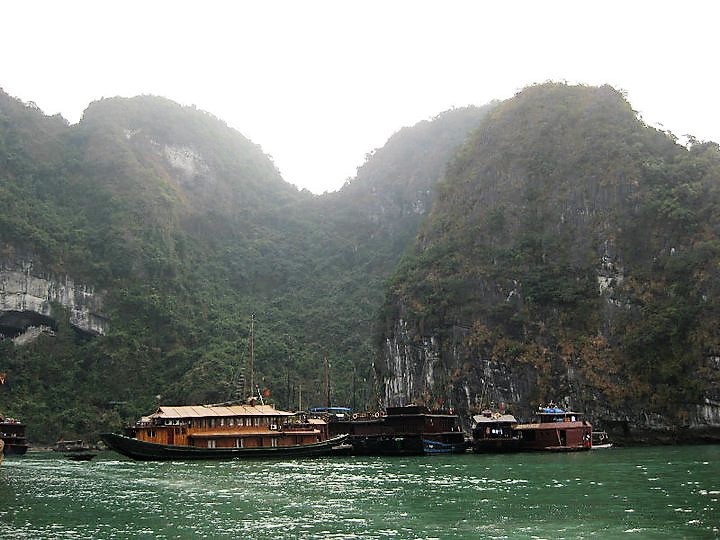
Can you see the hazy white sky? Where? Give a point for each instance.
(318, 84)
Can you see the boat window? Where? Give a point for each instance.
(211, 443)
(222, 422)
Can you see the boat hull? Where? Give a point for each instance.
(11, 449)
(80, 456)
(387, 445)
(405, 445)
(147, 451)
(12, 433)
(432, 447)
(495, 446)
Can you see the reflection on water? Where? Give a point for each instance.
(659, 492)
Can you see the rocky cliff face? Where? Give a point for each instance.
(30, 299)
(419, 369)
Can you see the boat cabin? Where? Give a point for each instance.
(12, 432)
(228, 426)
(494, 432)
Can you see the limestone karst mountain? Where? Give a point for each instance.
(572, 254)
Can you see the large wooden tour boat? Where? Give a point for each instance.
(225, 431)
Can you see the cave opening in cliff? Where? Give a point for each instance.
(14, 323)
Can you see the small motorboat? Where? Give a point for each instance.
(80, 456)
(600, 440)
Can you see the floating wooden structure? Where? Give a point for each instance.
(225, 431)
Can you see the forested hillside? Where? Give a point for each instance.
(183, 228)
(573, 254)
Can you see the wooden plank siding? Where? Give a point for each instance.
(228, 427)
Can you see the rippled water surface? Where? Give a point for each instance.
(659, 492)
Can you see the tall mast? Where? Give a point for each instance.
(252, 354)
(327, 382)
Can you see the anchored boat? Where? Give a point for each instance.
(225, 431)
(555, 429)
(494, 432)
(12, 432)
(600, 440)
(408, 430)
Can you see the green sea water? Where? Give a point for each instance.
(658, 492)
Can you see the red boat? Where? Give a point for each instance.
(555, 429)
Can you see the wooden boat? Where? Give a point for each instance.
(76, 450)
(12, 432)
(80, 456)
(557, 430)
(600, 440)
(225, 431)
(71, 446)
(494, 432)
(408, 430)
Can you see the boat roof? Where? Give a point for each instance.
(497, 417)
(204, 411)
(556, 410)
(330, 409)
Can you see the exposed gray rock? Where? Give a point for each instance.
(27, 297)
(434, 372)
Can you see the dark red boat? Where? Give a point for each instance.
(555, 429)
